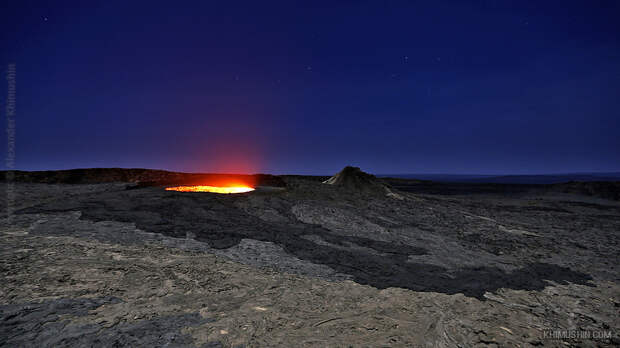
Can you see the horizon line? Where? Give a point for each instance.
(377, 174)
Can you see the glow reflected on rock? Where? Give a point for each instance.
(214, 189)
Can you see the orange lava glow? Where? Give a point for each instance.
(214, 189)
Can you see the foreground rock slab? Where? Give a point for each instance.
(73, 292)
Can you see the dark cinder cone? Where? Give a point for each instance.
(353, 178)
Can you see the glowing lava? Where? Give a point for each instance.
(215, 189)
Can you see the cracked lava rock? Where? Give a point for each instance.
(351, 260)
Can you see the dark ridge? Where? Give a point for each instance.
(537, 179)
(143, 177)
(601, 189)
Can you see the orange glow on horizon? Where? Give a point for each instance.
(214, 189)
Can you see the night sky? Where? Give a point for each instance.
(479, 87)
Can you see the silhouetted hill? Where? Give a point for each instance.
(141, 176)
(510, 179)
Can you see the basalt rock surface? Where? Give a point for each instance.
(314, 264)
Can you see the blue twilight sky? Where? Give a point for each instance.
(495, 87)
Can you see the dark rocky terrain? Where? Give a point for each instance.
(108, 257)
(143, 177)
